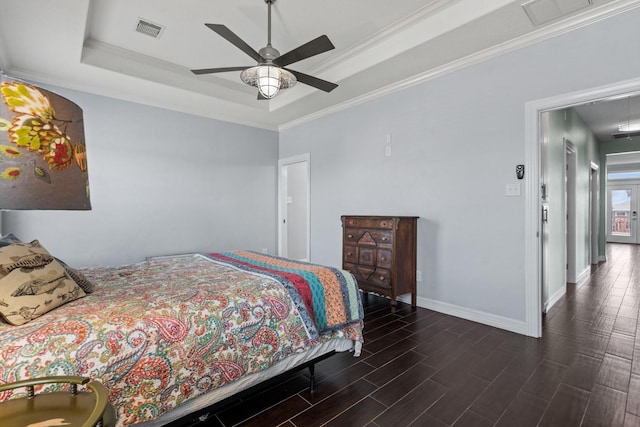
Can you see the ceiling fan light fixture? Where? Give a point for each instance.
(270, 76)
(269, 79)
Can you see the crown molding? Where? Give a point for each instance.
(556, 29)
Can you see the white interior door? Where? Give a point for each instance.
(622, 213)
(294, 208)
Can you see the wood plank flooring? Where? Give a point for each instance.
(422, 368)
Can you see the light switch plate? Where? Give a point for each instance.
(512, 190)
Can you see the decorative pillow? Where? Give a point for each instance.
(32, 283)
(9, 239)
(78, 277)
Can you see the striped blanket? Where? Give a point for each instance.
(327, 298)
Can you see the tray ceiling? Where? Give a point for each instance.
(381, 46)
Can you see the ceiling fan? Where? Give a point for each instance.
(270, 76)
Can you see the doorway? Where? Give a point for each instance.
(533, 212)
(294, 207)
(622, 213)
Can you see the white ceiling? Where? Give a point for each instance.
(381, 46)
(605, 116)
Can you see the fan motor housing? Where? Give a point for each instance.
(269, 53)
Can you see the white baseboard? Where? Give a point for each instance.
(584, 274)
(517, 326)
(555, 297)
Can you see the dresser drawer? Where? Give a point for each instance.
(350, 254)
(369, 222)
(367, 256)
(381, 278)
(371, 276)
(364, 236)
(384, 258)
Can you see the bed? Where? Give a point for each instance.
(173, 335)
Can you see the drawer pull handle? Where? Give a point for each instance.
(350, 236)
(381, 259)
(349, 254)
(384, 239)
(382, 278)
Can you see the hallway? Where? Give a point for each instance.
(592, 343)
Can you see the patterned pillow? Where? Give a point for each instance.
(9, 239)
(32, 283)
(78, 277)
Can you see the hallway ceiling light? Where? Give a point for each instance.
(629, 127)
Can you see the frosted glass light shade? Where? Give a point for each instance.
(268, 79)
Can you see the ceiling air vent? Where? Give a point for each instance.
(543, 11)
(149, 28)
(625, 135)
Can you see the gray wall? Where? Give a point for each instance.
(161, 182)
(456, 141)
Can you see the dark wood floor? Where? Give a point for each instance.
(422, 368)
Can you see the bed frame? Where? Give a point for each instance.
(202, 415)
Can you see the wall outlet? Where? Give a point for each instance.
(387, 151)
(418, 276)
(265, 250)
(512, 189)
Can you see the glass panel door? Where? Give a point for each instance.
(622, 213)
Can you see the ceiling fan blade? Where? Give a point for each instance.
(232, 38)
(219, 70)
(313, 81)
(307, 50)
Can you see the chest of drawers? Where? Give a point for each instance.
(380, 251)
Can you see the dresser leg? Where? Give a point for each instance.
(394, 305)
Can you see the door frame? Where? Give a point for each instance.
(569, 219)
(282, 200)
(594, 213)
(634, 186)
(533, 109)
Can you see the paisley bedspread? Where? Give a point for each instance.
(159, 333)
(326, 297)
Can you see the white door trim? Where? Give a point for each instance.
(569, 217)
(533, 298)
(282, 195)
(594, 213)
